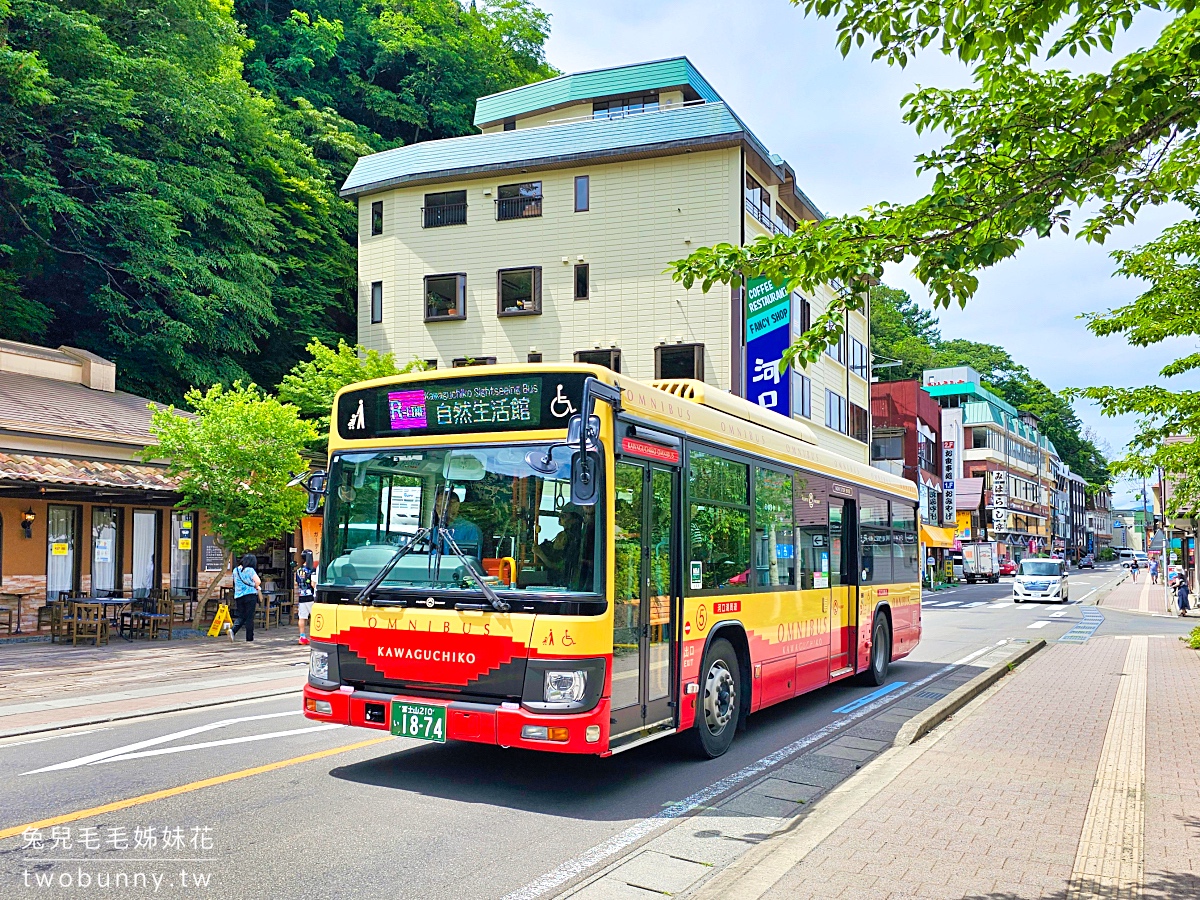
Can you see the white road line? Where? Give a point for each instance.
(631, 835)
(1042, 623)
(951, 603)
(51, 737)
(1088, 594)
(1001, 604)
(152, 742)
(162, 751)
(973, 605)
(979, 653)
(1059, 614)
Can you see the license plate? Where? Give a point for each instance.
(422, 721)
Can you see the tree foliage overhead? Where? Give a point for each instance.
(903, 331)
(169, 168)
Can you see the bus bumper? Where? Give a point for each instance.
(503, 725)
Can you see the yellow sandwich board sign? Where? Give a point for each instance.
(218, 622)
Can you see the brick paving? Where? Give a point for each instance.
(1142, 596)
(995, 809)
(54, 685)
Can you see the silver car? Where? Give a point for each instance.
(1040, 579)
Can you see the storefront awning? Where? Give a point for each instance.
(932, 536)
(967, 494)
(20, 467)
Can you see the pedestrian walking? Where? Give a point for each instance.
(247, 589)
(1154, 571)
(1133, 568)
(304, 593)
(1181, 596)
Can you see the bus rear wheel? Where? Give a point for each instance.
(881, 652)
(719, 702)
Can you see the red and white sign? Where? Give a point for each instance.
(727, 606)
(430, 657)
(647, 450)
(687, 627)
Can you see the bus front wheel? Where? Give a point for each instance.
(719, 700)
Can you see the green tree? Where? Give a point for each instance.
(901, 332)
(312, 384)
(233, 456)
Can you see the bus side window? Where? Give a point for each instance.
(875, 540)
(774, 547)
(811, 516)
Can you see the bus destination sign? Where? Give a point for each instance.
(459, 405)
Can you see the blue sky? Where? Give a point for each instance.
(838, 122)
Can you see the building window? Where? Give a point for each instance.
(801, 314)
(445, 208)
(377, 217)
(926, 453)
(887, 446)
(679, 361)
(838, 349)
(758, 201)
(510, 124)
(626, 106)
(610, 359)
(801, 395)
(430, 364)
(376, 302)
(463, 362)
(445, 297)
(519, 201)
(835, 411)
(533, 357)
(860, 423)
(858, 358)
(582, 281)
(519, 292)
(107, 550)
(786, 219)
(583, 193)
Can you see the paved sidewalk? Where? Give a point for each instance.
(1074, 778)
(45, 686)
(1141, 596)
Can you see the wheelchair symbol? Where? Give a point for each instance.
(561, 403)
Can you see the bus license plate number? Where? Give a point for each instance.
(421, 721)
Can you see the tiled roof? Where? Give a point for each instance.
(646, 77)
(48, 406)
(87, 472)
(645, 134)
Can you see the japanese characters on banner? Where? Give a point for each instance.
(1000, 501)
(949, 513)
(768, 315)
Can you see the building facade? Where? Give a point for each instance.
(1078, 541)
(1099, 520)
(545, 238)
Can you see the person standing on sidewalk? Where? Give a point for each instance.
(1133, 569)
(304, 593)
(1181, 596)
(1154, 571)
(246, 588)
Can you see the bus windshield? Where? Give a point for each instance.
(517, 525)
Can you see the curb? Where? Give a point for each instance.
(918, 727)
(143, 713)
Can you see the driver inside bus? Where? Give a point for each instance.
(563, 553)
(464, 532)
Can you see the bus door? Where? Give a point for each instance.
(843, 572)
(646, 596)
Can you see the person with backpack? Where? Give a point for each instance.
(304, 593)
(247, 588)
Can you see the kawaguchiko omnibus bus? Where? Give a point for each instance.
(562, 558)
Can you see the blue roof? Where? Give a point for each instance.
(677, 72)
(644, 134)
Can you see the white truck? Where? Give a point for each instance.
(981, 562)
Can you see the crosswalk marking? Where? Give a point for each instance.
(973, 605)
(1001, 604)
(1041, 623)
(1059, 614)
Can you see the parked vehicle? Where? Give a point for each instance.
(1040, 579)
(1008, 566)
(1128, 556)
(981, 562)
(1087, 562)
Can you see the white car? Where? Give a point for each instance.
(1040, 579)
(1128, 556)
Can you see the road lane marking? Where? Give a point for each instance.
(1059, 614)
(153, 742)
(1001, 604)
(184, 788)
(162, 751)
(1041, 623)
(978, 653)
(52, 737)
(973, 605)
(1109, 857)
(577, 865)
(875, 695)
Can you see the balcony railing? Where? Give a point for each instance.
(440, 216)
(765, 219)
(518, 208)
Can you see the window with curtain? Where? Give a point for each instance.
(183, 552)
(145, 552)
(106, 550)
(62, 558)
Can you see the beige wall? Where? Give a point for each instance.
(643, 215)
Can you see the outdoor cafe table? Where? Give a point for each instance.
(113, 607)
(273, 599)
(18, 596)
(189, 596)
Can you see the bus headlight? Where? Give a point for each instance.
(318, 664)
(565, 687)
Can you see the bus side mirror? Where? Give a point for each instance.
(315, 485)
(585, 478)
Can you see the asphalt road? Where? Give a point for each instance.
(341, 812)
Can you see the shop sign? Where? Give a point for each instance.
(948, 472)
(768, 313)
(59, 549)
(212, 557)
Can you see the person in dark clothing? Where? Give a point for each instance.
(246, 587)
(1181, 596)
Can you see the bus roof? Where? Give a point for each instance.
(693, 407)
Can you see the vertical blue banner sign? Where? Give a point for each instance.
(768, 316)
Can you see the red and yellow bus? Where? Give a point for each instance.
(562, 558)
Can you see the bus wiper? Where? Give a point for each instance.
(442, 533)
(365, 594)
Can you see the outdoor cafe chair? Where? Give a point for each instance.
(162, 617)
(62, 619)
(90, 624)
(6, 614)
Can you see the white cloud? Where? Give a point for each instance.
(838, 122)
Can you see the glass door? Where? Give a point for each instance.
(183, 553)
(145, 552)
(843, 560)
(62, 558)
(106, 550)
(645, 597)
